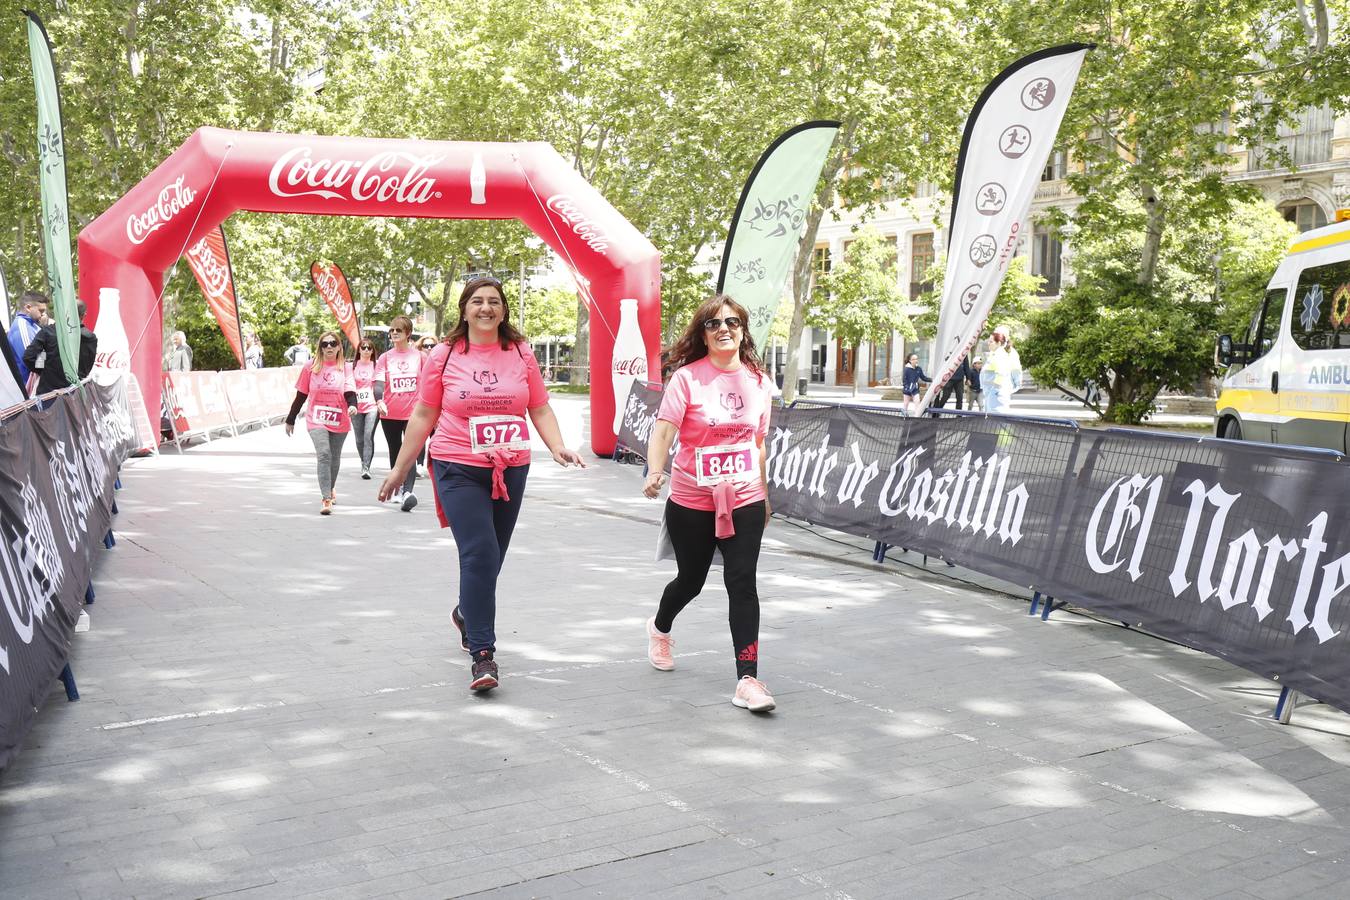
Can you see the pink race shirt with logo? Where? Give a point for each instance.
(327, 407)
(398, 370)
(364, 375)
(713, 408)
(468, 388)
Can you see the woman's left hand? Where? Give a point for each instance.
(351, 410)
(564, 457)
(768, 512)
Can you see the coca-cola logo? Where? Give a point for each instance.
(110, 365)
(394, 175)
(566, 208)
(215, 277)
(172, 200)
(325, 280)
(637, 366)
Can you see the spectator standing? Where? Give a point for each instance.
(976, 392)
(956, 385)
(253, 352)
(1002, 374)
(910, 380)
(31, 316)
(298, 354)
(43, 356)
(180, 354)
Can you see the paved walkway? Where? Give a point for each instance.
(274, 707)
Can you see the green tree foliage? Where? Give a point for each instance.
(1017, 296)
(1136, 340)
(860, 300)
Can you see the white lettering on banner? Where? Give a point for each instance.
(30, 570)
(215, 275)
(856, 478)
(969, 497)
(1249, 567)
(172, 200)
(1126, 517)
(326, 281)
(566, 208)
(72, 495)
(391, 175)
(789, 467)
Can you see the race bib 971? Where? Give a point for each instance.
(728, 462)
(403, 384)
(488, 433)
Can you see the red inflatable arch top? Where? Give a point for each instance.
(125, 252)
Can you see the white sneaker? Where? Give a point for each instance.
(82, 624)
(409, 501)
(751, 694)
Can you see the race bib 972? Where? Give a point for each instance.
(488, 433)
(728, 462)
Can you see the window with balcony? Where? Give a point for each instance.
(920, 261)
(1306, 214)
(1055, 167)
(1046, 252)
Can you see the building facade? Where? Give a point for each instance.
(1309, 195)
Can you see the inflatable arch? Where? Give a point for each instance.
(125, 252)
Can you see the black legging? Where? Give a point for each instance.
(393, 436)
(693, 537)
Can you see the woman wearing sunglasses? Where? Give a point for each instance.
(396, 393)
(367, 412)
(331, 391)
(477, 388)
(718, 403)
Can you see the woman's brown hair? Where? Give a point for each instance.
(507, 332)
(693, 344)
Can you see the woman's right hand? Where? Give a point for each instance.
(383, 409)
(290, 429)
(652, 488)
(392, 482)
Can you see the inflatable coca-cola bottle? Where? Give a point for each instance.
(113, 359)
(630, 357)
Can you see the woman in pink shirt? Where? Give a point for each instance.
(717, 403)
(367, 411)
(396, 392)
(477, 388)
(331, 391)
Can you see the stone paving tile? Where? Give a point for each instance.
(307, 731)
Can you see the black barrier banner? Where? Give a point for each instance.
(639, 418)
(57, 468)
(1238, 550)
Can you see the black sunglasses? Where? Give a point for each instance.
(327, 344)
(714, 324)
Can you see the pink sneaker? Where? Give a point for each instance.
(751, 694)
(658, 648)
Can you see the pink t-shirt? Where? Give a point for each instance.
(488, 389)
(712, 408)
(398, 370)
(364, 375)
(327, 407)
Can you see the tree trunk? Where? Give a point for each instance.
(1153, 235)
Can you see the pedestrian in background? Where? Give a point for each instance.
(973, 380)
(1002, 373)
(253, 352)
(367, 411)
(44, 357)
(32, 315)
(180, 354)
(956, 384)
(911, 379)
(298, 354)
(331, 391)
(396, 380)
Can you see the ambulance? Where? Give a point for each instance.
(1288, 380)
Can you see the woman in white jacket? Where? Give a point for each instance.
(1002, 373)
